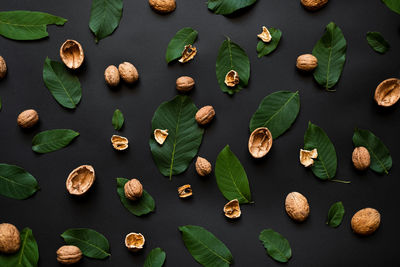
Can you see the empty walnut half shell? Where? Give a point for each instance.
(232, 209)
(80, 180)
(71, 53)
(188, 53)
(232, 78)
(265, 36)
(134, 241)
(119, 142)
(185, 191)
(260, 142)
(388, 92)
(160, 135)
(307, 157)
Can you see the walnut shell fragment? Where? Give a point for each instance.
(134, 241)
(160, 135)
(133, 189)
(119, 142)
(69, 255)
(314, 4)
(203, 166)
(163, 6)
(232, 209)
(10, 240)
(388, 92)
(3, 68)
(361, 158)
(365, 221)
(297, 206)
(188, 53)
(205, 115)
(80, 180)
(307, 157)
(260, 142)
(265, 35)
(232, 78)
(71, 53)
(185, 191)
(28, 118)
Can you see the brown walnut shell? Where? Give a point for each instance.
(188, 53)
(69, 255)
(365, 221)
(184, 84)
(71, 53)
(128, 72)
(205, 115)
(260, 142)
(232, 209)
(361, 158)
(10, 240)
(160, 136)
(388, 92)
(134, 241)
(307, 157)
(3, 68)
(111, 75)
(133, 189)
(307, 62)
(314, 4)
(232, 78)
(163, 6)
(80, 180)
(203, 166)
(265, 35)
(119, 142)
(28, 118)
(185, 191)
(297, 206)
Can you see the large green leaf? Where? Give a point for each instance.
(52, 140)
(394, 5)
(325, 165)
(330, 51)
(263, 48)
(381, 161)
(26, 25)
(225, 7)
(377, 42)
(232, 57)
(276, 245)
(139, 207)
(26, 256)
(64, 86)
(155, 258)
(205, 248)
(335, 214)
(118, 119)
(91, 243)
(184, 139)
(277, 112)
(185, 36)
(104, 17)
(231, 177)
(16, 183)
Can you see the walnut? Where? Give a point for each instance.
(314, 4)
(111, 75)
(133, 189)
(71, 53)
(119, 142)
(134, 241)
(28, 118)
(205, 115)
(69, 255)
(232, 209)
(361, 158)
(297, 207)
(160, 135)
(365, 221)
(307, 157)
(388, 92)
(128, 72)
(203, 166)
(10, 240)
(80, 180)
(232, 78)
(265, 36)
(185, 191)
(163, 6)
(260, 142)
(188, 53)
(3, 68)
(184, 84)
(306, 62)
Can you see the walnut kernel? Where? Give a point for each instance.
(307, 62)
(111, 75)
(361, 158)
(119, 142)
(28, 118)
(184, 84)
(10, 240)
(365, 221)
(260, 142)
(3, 68)
(388, 92)
(134, 241)
(128, 72)
(203, 166)
(188, 53)
(71, 53)
(163, 6)
(265, 36)
(160, 135)
(69, 255)
(80, 180)
(307, 157)
(133, 189)
(205, 115)
(297, 207)
(232, 78)
(314, 4)
(185, 191)
(232, 209)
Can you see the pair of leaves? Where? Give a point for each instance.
(26, 256)
(91, 243)
(155, 258)
(330, 51)
(16, 183)
(226, 7)
(232, 57)
(27, 25)
(104, 17)
(184, 135)
(381, 161)
(52, 140)
(205, 248)
(263, 48)
(276, 245)
(143, 205)
(394, 5)
(277, 112)
(231, 177)
(185, 36)
(65, 87)
(335, 214)
(377, 42)
(118, 119)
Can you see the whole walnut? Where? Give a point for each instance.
(111, 75)
(205, 115)
(133, 189)
(28, 118)
(10, 240)
(163, 6)
(3, 67)
(203, 166)
(306, 62)
(297, 206)
(313, 4)
(69, 254)
(361, 158)
(365, 221)
(184, 84)
(128, 72)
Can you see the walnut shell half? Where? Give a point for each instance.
(185, 191)
(232, 78)
(134, 241)
(80, 180)
(119, 142)
(388, 92)
(188, 53)
(365, 221)
(203, 166)
(10, 240)
(260, 142)
(307, 157)
(69, 255)
(297, 206)
(232, 209)
(71, 53)
(265, 36)
(314, 4)
(160, 136)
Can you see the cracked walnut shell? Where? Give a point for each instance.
(265, 36)
(128, 72)
(185, 191)
(314, 4)
(28, 118)
(10, 240)
(133, 189)
(297, 206)
(307, 157)
(184, 84)
(365, 221)
(160, 135)
(260, 142)
(3, 68)
(111, 75)
(80, 180)
(71, 53)
(361, 158)
(188, 53)
(134, 241)
(203, 166)
(388, 92)
(69, 255)
(232, 78)
(205, 115)
(119, 142)
(307, 62)
(232, 209)
(163, 6)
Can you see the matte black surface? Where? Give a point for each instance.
(142, 38)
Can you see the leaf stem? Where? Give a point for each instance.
(340, 181)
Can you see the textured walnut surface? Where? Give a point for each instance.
(260, 142)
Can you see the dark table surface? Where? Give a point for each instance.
(142, 38)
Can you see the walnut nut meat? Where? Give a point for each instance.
(388, 92)
(10, 240)
(185, 191)
(232, 78)
(313, 4)
(80, 180)
(232, 209)
(265, 36)
(160, 136)
(307, 62)
(69, 255)
(361, 158)
(133, 189)
(365, 221)
(128, 72)
(71, 53)
(111, 75)
(260, 142)
(188, 53)
(297, 206)
(205, 115)
(28, 118)
(203, 166)
(184, 84)
(163, 6)
(134, 241)
(119, 143)
(307, 157)
(3, 68)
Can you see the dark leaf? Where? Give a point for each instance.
(16, 183)
(335, 214)
(118, 119)
(185, 36)
(377, 42)
(104, 17)
(276, 245)
(226, 7)
(155, 258)
(52, 140)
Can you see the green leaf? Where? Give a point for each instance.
(184, 139)
(231, 177)
(226, 7)
(185, 36)
(335, 214)
(394, 5)
(64, 87)
(232, 57)
(16, 183)
(52, 140)
(381, 161)
(118, 119)
(155, 258)
(104, 17)
(139, 207)
(263, 48)
(277, 112)
(377, 42)
(325, 165)
(331, 54)
(27, 255)
(27, 25)
(92, 244)
(276, 245)
(205, 248)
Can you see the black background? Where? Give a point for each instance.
(142, 38)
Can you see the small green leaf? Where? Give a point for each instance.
(185, 36)
(91, 243)
(64, 87)
(155, 258)
(263, 48)
(139, 207)
(118, 119)
(16, 183)
(276, 245)
(104, 17)
(52, 140)
(231, 177)
(377, 42)
(27, 25)
(381, 161)
(394, 5)
(226, 7)
(205, 248)
(335, 214)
